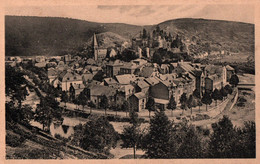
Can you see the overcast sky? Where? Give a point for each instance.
(141, 14)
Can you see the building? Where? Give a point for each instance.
(99, 52)
(230, 72)
(68, 78)
(113, 69)
(125, 79)
(137, 101)
(97, 91)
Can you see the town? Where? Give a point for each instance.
(154, 75)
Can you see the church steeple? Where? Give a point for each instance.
(95, 47)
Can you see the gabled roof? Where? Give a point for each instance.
(142, 84)
(125, 79)
(52, 72)
(140, 95)
(99, 90)
(110, 81)
(152, 80)
(229, 68)
(146, 72)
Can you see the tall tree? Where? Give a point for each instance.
(223, 139)
(98, 135)
(150, 105)
(191, 102)
(223, 92)
(131, 135)
(172, 104)
(206, 99)
(190, 144)
(104, 103)
(125, 107)
(144, 34)
(83, 99)
(216, 95)
(234, 80)
(64, 97)
(47, 111)
(183, 101)
(158, 140)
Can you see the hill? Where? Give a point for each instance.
(30, 36)
(108, 39)
(212, 35)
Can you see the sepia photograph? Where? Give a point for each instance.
(134, 82)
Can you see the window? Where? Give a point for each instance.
(68, 78)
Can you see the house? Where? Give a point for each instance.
(125, 79)
(68, 78)
(67, 58)
(129, 68)
(113, 69)
(110, 81)
(141, 86)
(152, 81)
(123, 93)
(137, 101)
(40, 59)
(40, 65)
(87, 77)
(215, 77)
(149, 71)
(163, 90)
(52, 74)
(230, 71)
(97, 91)
(112, 53)
(165, 68)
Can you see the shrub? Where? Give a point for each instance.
(14, 140)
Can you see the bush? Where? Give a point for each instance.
(14, 140)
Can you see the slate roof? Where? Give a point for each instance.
(110, 81)
(99, 90)
(146, 72)
(140, 95)
(152, 80)
(125, 79)
(229, 68)
(142, 84)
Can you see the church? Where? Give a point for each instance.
(99, 53)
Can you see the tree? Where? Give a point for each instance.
(206, 99)
(157, 58)
(98, 135)
(150, 105)
(47, 111)
(125, 107)
(228, 89)
(83, 99)
(172, 104)
(216, 95)
(234, 80)
(104, 103)
(144, 33)
(246, 140)
(222, 141)
(191, 102)
(18, 115)
(199, 103)
(183, 101)
(157, 142)
(190, 144)
(131, 135)
(15, 85)
(223, 92)
(197, 94)
(64, 97)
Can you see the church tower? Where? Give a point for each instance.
(95, 47)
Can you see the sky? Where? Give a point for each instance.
(139, 14)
